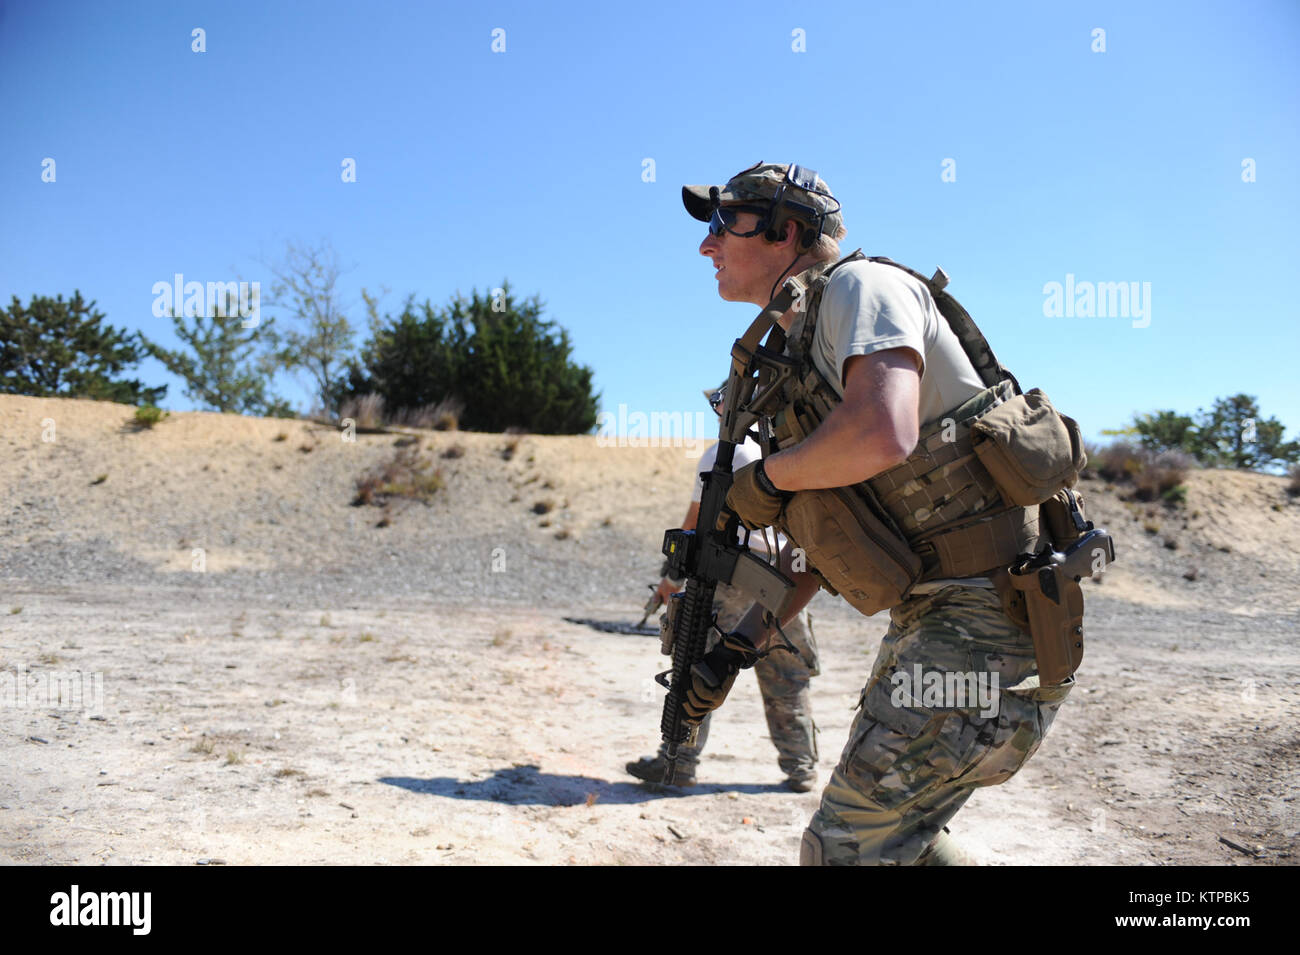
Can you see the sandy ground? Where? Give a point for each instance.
(324, 690)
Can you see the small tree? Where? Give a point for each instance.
(1233, 435)
(53, 348)
(224, 370)
(1166, 431)
(306, 287)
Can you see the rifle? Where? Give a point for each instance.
(706, 557)
(710, 555)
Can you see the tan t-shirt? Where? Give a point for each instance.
(868, 307)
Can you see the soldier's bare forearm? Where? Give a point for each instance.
(873, 429)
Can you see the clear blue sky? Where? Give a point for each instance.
(473, 166)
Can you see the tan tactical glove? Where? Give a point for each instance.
(754, 498)
(712, 677)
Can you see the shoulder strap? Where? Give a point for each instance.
(973, 342)
(806, 324)
(741, 384)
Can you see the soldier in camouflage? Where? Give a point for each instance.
(914, 756)
(783, 677)
(908, 768)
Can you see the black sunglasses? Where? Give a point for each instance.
(724, 220)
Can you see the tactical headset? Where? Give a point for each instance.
(782, 208)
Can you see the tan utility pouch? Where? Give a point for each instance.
(1063, 519)
(1030, 449)
(853, 550)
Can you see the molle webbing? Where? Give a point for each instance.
(946, 504)
(941, 500)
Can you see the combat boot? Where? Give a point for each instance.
(652, 768)
(802, 782)
(945, 850)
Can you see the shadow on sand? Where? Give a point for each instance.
(529, 786)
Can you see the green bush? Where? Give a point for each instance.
(147, 416)
(1175, 496)
(490, 355)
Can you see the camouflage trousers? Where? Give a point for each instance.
(783, 679)
(916, 753)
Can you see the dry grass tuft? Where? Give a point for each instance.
(1150, 476)
(1161, 475)
(404, 476)
(367, 411)
(442, 416)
